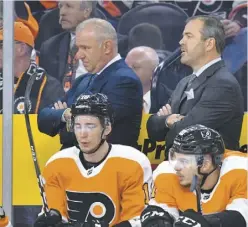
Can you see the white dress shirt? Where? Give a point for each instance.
(203, 68)
(147, 102)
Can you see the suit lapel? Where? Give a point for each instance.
(179, 94)
(63, 55)
(202, 78)
(207, 73)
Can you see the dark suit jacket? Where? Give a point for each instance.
(54, 54)
(217, 103)
(53, 90)
(124, 91)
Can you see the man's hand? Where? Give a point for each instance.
(231, 28)
(67, 113)
(173, 118)
(59, 105)
(164, 111)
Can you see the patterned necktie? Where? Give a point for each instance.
(191, 79)
(72, 65)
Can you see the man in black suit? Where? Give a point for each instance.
(57, 54)
(211, 96)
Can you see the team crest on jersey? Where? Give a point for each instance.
(20, 106)
(90, 206)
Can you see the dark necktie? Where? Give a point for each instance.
(91, 78)
(191, 79)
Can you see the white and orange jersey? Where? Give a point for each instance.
(116, 190)
(230, 192)
(4, 222)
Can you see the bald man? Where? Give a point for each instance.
(143, 60)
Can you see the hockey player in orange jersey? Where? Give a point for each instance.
(95, 180)
(4, 221)
(200, 185)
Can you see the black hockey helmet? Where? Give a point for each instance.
(199, 140)
(94, 104)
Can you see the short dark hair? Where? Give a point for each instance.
(212, 28)
(145, 34)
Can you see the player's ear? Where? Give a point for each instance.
(107, 130)
(207, 164)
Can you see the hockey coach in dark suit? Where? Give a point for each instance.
(211, 96)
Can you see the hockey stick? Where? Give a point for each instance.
(31, 140)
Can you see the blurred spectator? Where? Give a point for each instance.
(49, 27)
(49, 4)
(239, 13)
(24, 15)
(211, 96)
(97, 43)
(57, 54)
(115, 9)
(146, 34)
(143, 60)
(39, 8)
(45, 90)
(235, 52)
(202, 7)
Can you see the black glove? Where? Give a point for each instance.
(155, 216)
(48, 220)
(191, 218)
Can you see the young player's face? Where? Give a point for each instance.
(88, 131)
(185, 167)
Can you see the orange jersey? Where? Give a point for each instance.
(115, 190)
(4, 222)
(230, 192)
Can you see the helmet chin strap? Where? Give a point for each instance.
(195, 183)
(94, 150)
(205, 175)
(197, 187)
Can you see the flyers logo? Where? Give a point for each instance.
(85, 207)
